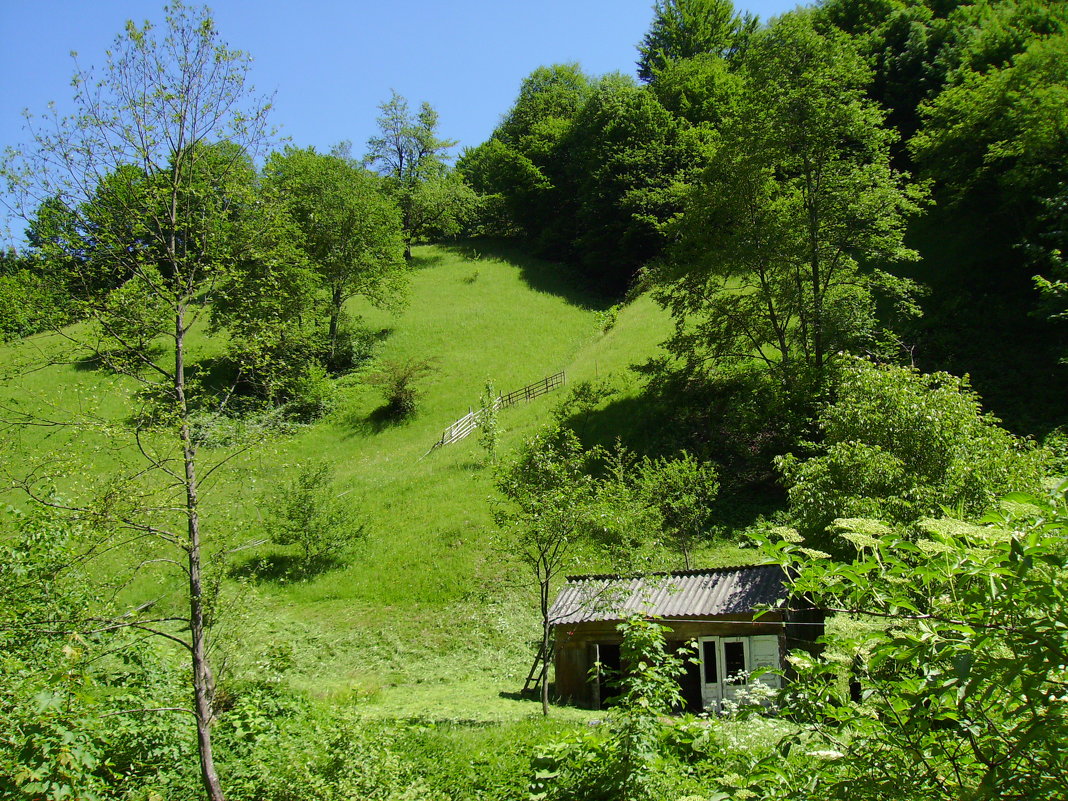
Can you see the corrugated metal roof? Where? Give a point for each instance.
(690, 593)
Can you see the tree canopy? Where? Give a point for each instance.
(348, 227)
(775, 255)
(683, 29)
(415, 163)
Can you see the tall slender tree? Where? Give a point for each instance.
(167, 231)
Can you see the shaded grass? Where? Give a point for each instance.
(549, 277)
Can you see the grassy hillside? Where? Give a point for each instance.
(428, 616)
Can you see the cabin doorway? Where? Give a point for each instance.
(726, 665)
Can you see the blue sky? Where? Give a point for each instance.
(330, 63)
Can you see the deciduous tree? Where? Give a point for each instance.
(960, 671)
(683, 29)
(414, 161)
(149, 129)
(901, 445)
(545, 487)
(778, 247)
(349, 229)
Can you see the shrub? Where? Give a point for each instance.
(309, 513)
(29, 305)
(355, 345)
(489, 432)
(900, 445)
(399, 383)
(962, 687)
(309, 395)
(621, 762)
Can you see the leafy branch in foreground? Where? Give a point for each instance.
(961, 691)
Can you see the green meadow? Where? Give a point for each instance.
(428, 617)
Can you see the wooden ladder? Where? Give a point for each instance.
(535, 669)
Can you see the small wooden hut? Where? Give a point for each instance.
(720, 610)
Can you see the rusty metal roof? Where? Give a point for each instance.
(684, 594)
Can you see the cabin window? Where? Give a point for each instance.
(709, 660)
(734, 667)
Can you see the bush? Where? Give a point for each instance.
(489, 431)
(308, 512)
(29, 305)
(309, 395)
(223, 431)
(398, 382)
(355, 345)
(901, 445)
(622, 762)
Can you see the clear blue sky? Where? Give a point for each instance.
(331, 62)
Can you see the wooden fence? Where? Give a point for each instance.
(470, 421)
(531, 391)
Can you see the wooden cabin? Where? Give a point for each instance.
(720, 610)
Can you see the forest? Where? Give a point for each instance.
(806, 279)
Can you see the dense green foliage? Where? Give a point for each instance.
(621, 759)
(587, 170)
(775, 250)
(765, 182)
(899, 445)
(961, 680)
(684, 29)
(349, 229)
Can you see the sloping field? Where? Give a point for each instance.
(428, 606)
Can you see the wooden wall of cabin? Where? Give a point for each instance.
(576, 653)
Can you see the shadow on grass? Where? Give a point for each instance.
(550, 277)
(214, 375)
(662, 426)
(381, 419)
(110, 360)
(281, 567)
(89, 364)
(423, 262)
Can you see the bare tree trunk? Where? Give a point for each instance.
(203, 681)
(336, 302)
(545, 632)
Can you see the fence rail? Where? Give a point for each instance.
(531, 391)
(470, 421)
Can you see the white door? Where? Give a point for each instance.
(711, 687)
(727, 662)
(734, 665)
(764, 653)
